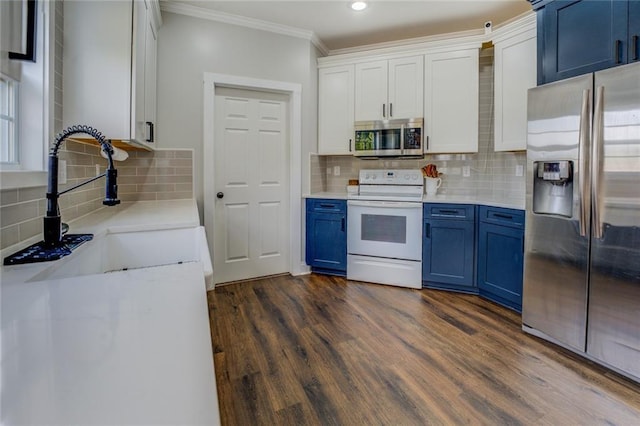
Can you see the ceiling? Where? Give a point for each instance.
(338, 27)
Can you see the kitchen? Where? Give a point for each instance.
(189, 46)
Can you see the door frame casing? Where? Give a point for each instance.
(294, 92)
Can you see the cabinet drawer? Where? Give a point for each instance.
(326, 205)
(449, 211)
(501, 216)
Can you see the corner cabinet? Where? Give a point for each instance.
(451, 101)
(335, 110)
(448, 247)
(109, 72)
(514, 75)
(500, 255)
(583, 36)
(326, 236)
(389, 89)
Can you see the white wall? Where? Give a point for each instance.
(188, 47)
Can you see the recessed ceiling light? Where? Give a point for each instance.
(359, 5)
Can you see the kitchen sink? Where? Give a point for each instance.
(120, 251)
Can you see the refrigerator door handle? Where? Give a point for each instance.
(583, 158)
(596, 166)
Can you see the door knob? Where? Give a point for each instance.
(220, 194)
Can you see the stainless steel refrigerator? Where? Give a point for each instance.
(582, 241)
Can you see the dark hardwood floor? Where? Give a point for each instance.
(321, 350)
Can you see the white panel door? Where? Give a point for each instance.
(335, 110)
(371, 91)
(514, 75)
(406, 87)
(451, 101)
(251, 178)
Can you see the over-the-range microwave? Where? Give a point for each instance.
(388, 138)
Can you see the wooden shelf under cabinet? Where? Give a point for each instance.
(118, 143)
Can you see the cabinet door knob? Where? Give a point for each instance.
(220, 194)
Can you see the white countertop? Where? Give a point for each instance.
(442, 198)
(137, 216)
(121, 348)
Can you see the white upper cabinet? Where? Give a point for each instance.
(406, 87)
(335, 110)
(451, 101)
(110, 73)
(371, 90)
(146, 67)
(389, 89)
(514, 74)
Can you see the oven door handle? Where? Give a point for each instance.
(385, 204)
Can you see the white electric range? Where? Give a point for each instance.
(384, 233)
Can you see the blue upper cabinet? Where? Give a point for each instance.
(634, 31)
(326, 239)
(578, 37)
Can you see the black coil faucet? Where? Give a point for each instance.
(52, 220)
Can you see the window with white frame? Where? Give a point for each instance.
(8, 120)
(27, 102)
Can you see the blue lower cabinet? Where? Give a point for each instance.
(448, 247)
(326, 236)
(500, 255)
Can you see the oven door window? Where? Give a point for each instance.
(383, 228)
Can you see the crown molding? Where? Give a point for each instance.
(470, 36)
(516, 24)
(256, 24)
(525, 22)
(521, 24)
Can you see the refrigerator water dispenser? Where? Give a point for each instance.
(553, 188)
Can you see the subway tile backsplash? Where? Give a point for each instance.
(157, 175)
(492, 174)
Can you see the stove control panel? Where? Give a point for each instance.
(391, 177)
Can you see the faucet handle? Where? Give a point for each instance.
(111, 197)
